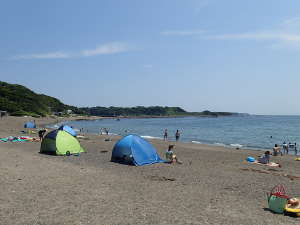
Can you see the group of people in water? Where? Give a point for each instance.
(177, 135)
(285, 147)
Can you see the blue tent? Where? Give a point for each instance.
(136, 150)
(68, 129)
(29, 124)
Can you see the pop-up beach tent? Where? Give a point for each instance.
(133, 149)
(29, 124)
(68, 129)
(60, 142)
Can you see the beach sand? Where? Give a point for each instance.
(214, 185)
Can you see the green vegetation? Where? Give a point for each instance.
(134, 111)
(19, 101)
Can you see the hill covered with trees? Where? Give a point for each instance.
(19, 101)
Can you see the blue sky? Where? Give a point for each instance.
(233, 55)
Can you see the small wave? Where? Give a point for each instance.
(197, 142)
(220, 144)
(150, 137)
(236, 145)
(111, 134)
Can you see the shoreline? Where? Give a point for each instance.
(227, 146)
(213, 185)
(235, 146)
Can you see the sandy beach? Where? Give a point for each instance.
(214, 185)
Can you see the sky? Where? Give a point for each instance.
(233, 55)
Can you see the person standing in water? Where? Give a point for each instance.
(285, 147)
(166, 135)
(177, 135)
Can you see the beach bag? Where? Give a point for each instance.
(277, 199)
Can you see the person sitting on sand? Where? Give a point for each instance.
(170, 156)
(265, 158)
(276, 150)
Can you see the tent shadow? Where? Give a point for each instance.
(47, 153)
(123, 162)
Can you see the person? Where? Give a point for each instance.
(265, 158)
(293, 202)
(285, 147)
(106, 130)
(166, 135)
(170, 156)
(276, 150)
(295, 148)
(41, 134)
(177, 135)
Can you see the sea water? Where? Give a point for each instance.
(257, 132)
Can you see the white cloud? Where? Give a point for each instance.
(183, 32)
(109, 48)
(51, 55)
(259, 36)
(284, 35)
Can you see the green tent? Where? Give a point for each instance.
(60, 142)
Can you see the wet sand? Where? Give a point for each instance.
(214, 185)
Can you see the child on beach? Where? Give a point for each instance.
(170, 156)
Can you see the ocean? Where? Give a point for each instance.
(254, 132)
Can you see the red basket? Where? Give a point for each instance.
(279, 191)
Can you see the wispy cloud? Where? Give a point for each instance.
(50, 55)
(259, 36)
(285, 34)
(183, 32)
(111, 48)
(105, 49)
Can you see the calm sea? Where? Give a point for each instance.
(244, 132)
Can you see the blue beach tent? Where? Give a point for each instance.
(29, 124)
(133, 149)
(68, 130)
